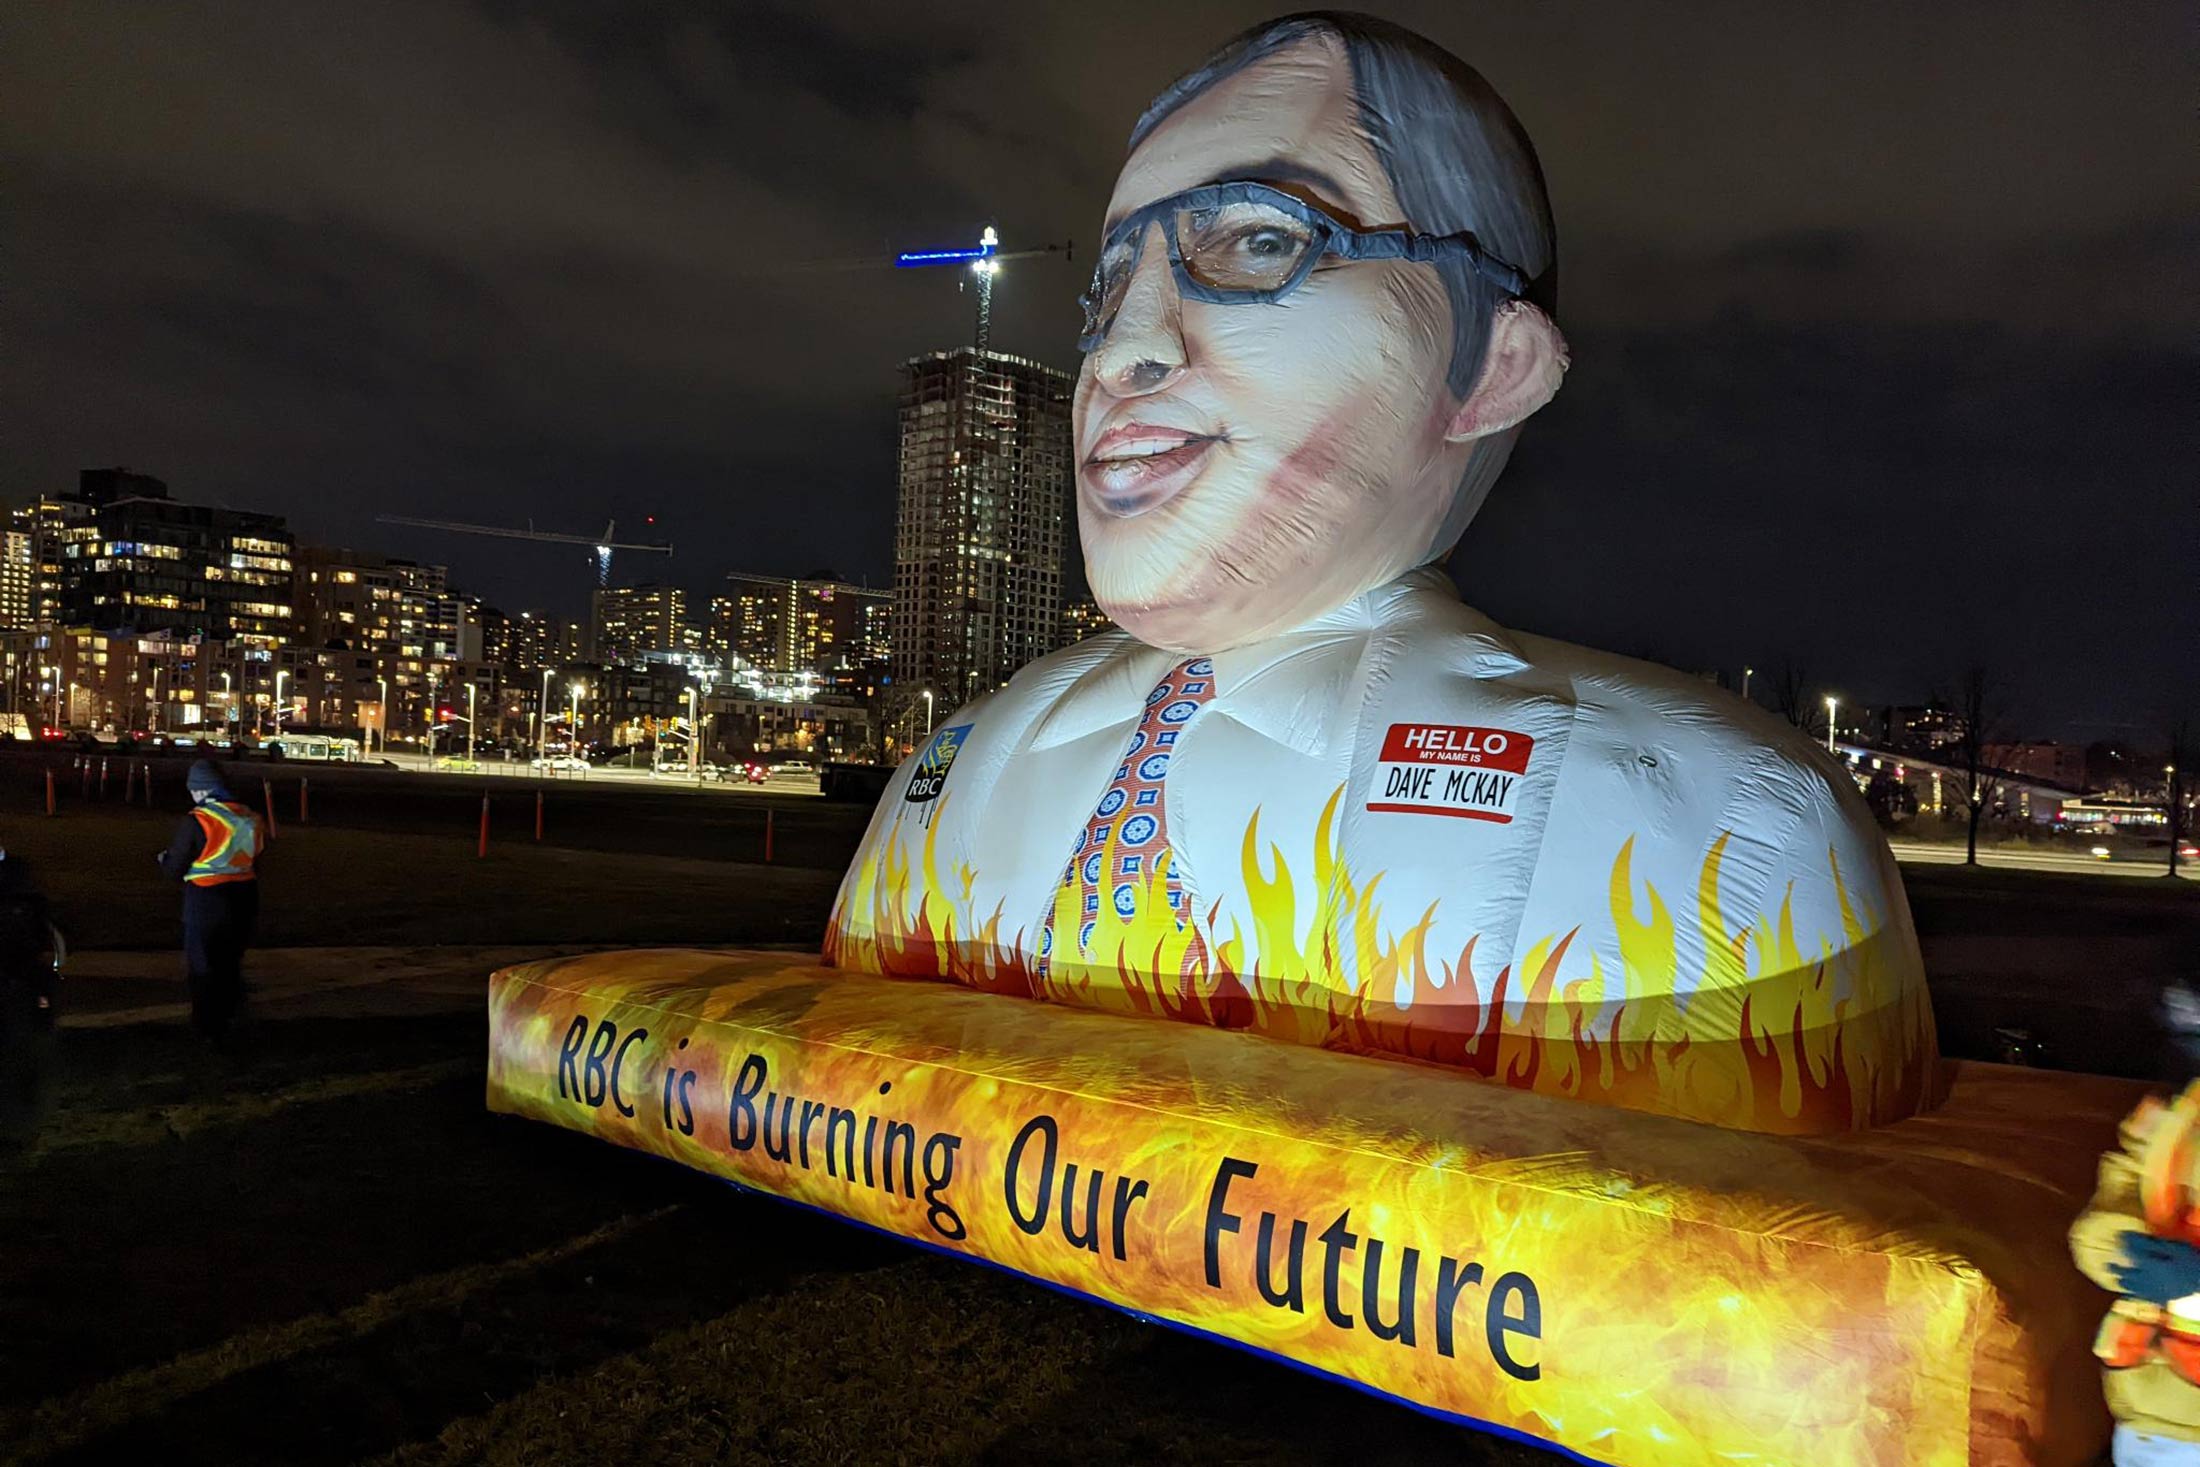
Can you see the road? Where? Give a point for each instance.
(789, 780)
(2035, 860)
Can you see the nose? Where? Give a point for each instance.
(1143, 352)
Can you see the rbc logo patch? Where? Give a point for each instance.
(932, 765)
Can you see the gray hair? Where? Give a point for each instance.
(1458, 161)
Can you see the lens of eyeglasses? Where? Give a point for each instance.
(1243, 246)
(1110, 279)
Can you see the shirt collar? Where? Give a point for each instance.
(1294, 689)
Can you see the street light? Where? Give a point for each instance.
(382, 711)
(1831, 705)
(278, 708)
(928, 713)
(573, 727)
(470, 690)
(542, 720)
(695, 734)
(2172, 807)
(229, 703)
(431, 712)
(1746, 673)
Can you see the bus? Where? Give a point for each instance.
(319, 748)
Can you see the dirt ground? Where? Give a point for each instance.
(320, 1248)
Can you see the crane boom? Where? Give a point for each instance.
(511, 534)
(984, 260)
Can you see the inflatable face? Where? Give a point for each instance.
(1272, 418)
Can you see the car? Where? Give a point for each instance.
(561, 763)
(2103, 853)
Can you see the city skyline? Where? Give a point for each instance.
(1802, 382)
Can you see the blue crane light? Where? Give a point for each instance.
(942, 257)
(988, 245)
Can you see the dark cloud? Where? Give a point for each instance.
(1845, 286)
(1884, 504)
(1802, 251)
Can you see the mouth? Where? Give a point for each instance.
(1138, 468)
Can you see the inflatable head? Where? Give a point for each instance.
(1319, 317)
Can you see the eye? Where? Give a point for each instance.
(1267, 242)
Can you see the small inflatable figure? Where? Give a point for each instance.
(1305, 790)
(2138, 1239)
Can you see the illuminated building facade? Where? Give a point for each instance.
(816, 623)
(129, 558)
(1083, 618)
(631, 622)
(18, 564)
(536, 640)
(749, 621)
(984, 481)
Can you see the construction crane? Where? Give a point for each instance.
(985, 263)
(603, 544)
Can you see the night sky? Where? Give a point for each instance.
(1884, 317)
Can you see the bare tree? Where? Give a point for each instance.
(1791, 696)
(1980, 708)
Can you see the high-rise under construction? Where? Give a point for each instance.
(985, 473)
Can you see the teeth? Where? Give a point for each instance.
(1145, 448)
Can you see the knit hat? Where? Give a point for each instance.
(205, 778)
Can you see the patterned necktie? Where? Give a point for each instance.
(1131, 811)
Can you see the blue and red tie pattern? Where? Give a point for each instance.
(1132, 810)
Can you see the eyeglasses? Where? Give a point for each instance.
(1243, 244)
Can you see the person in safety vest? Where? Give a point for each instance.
(213, 855)
(2137, 1239)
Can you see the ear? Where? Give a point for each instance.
(1521, 369)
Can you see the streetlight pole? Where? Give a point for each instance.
(277, 709)
(695, 734)
(470, 690)
(928, 713)
(2175, 810)
(1746, 672)
(1831, 705)
(382, 711)
(542, 720)
(573, 727)
(431, 712)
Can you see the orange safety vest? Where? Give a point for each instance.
(232, 840)
(2135, 1331)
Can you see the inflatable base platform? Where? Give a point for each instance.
(1629, 1288)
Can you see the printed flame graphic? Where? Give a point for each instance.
(1767, 1036)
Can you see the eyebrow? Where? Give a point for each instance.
(1274, 170)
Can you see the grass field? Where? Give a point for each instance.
(322, 1249)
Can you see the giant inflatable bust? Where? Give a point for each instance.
(1306, 791)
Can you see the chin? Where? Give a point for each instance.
(1192, 613)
